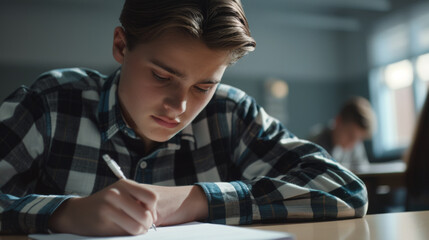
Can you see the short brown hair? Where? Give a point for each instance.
(358, 110)
(220, 24)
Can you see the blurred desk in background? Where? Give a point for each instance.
(386, 186)
(394, 168)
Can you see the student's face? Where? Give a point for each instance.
(165, 83)
(347, 134)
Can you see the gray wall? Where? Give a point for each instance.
(323, 64)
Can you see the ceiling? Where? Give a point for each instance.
(374, 5)
(334, 15)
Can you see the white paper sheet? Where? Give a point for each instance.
(189, 231)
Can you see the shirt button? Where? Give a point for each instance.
(143, 165)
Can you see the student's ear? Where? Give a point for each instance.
(119, 44)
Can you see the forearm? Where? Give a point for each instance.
(324, 197)
(292, 179)
(334, 194)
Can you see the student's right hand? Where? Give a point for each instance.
(123, 208)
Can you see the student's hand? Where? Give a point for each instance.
(123, 208)
(129, 208)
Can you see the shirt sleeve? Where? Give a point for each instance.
(283, 178)
(23, 142)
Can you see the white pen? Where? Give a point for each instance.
(117, 171)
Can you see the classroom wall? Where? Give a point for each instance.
(322, 66)
(323, 69)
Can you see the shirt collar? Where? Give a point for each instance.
(107, 107)
(111, 120)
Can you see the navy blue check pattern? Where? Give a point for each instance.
(252, 169)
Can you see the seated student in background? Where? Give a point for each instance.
(417, 159)
(343, 138)
(192, 148)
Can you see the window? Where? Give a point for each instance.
(399, 78)
(422, 67)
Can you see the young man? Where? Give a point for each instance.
(192, 148)
(354, 123)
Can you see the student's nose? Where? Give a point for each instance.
(175, 102)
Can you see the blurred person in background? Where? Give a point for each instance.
(343, 137)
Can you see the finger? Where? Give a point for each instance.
(129, 205)
(152, 213)
(142, 194)
(126, 223)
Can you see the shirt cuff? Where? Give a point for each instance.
(31, 213)
(228, 202)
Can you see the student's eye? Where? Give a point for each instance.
(160, 78)
(203, 89)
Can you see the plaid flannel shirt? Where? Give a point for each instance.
(252, 170)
